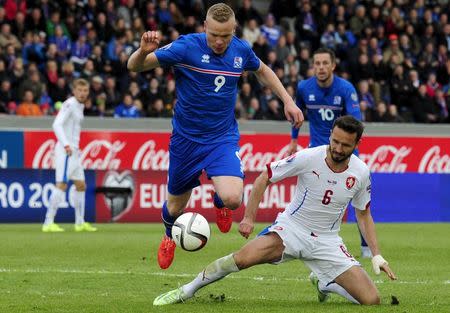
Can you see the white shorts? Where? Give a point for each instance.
(67, 167)
(326, 256)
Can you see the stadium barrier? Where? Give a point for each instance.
(410, 175)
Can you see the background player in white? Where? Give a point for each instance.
(67, 128)
(329, 177)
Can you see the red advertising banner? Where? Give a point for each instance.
(104, 150)
(149, 191)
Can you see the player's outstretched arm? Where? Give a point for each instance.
(143, 59)
(367, 227)
(259, 186)
(268, 78)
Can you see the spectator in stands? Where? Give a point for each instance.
(6, 95)
(96, 87)
(274, 111)
(12, 7)
(34, 51)
(8, 38)
(271, 31)
(53, 22)
(392, 115)
(442, 105)
(157, 109)
(261, 48)
(127, 108)
(380, 114)
(251, 31)
(424, 108)
(432, 85)
(414, 36)
(169, 94)
(61, 91)
(28, 106)
(254, 111)
(80, 51)
(247, 12)
(112, 94)
(33, 82)
(18, 26)
(128, 12)
(306, 26)
(330, 38)
(365, 95)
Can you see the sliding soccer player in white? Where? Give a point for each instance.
(329, 177)
(67, 128)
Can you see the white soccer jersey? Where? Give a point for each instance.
(67, 124)
(322, 195)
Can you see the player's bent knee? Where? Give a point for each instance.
(232, 202)
(373, 299)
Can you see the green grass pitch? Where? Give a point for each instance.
(115, 270)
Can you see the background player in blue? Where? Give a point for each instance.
(325, 97)
(205, 133)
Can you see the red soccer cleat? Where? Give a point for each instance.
(224, 219)
(166, 252)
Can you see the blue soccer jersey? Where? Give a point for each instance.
(325, 105)
(206, 86)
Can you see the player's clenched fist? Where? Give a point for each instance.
(246, 227)
(149, 41)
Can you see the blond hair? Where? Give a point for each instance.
(80, 82)
(220, 12)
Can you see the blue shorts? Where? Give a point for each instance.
(187, 160)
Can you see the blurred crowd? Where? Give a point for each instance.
(395, 52)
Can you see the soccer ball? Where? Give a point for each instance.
(191, 231)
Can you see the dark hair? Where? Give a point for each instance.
(327, 51)
(350, 125)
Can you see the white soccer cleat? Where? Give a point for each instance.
(171, 297)
(320, 295)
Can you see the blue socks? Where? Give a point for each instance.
(168, 220)
(218, 202)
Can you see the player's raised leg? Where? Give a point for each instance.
(172, 208)
(227, 197)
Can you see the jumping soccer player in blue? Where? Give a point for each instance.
(205, 133)
(325, 97)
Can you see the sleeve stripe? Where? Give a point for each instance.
(269, 170)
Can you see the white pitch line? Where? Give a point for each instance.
(183, 275)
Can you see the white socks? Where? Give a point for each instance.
(213, 272)
(55, 199)
(79, 205)
(336, 288)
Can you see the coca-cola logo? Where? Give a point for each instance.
(148, 158)
(387, 158)
(433, 162)
(117, 202)
(44, 155)
(97, 154)
(116, 154)
(101, 154)
(256, 161)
